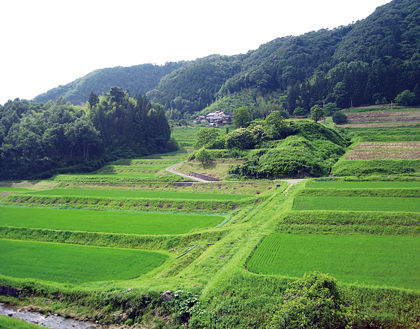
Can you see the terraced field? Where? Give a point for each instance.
(370, 260)
(234, 245)
(54, 217)
(356, 203)
(381, 117)
(106, 221)
(362, 232)
(74, 264)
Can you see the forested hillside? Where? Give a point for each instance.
(369, 62)
(137, 79)
(38, 140)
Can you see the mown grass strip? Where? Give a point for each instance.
(106, 221)
(74, 264)
(139, 194)
(356, 204)
(371, 260)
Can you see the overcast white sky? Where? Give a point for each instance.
(46, 43)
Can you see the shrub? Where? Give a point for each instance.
(315, 301)
(241, 139)
(206, 136)
(317, 113)
(203, 155)
(339, 118)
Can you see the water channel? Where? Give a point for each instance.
(50, 321)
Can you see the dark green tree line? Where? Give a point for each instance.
(39, 139)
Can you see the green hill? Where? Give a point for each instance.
(368, 62)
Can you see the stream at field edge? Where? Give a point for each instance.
(51, 321)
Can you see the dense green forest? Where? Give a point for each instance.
(137, 79)
(368, 62)
(38, 140)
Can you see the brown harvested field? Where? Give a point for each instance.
(392, 154)
(383, 116)
(402, 145)
(385, 151)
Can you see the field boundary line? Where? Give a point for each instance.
(187, 251)
(225, 221)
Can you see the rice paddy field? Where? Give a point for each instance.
(74, 264)
(106, 221)
(357, 203)
(368, 260)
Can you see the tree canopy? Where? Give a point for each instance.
(37, 140)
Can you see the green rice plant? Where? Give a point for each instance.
(370, 260)
(356, 204)
(74, 264)
(106, 221)
(14, 189)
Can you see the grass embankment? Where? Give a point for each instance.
(74, 264)
(130, 204)
(139, 194)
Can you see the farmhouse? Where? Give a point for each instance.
(219, 118)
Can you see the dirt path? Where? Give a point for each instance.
(293, 181)
(171, 169)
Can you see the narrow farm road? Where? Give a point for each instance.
(171, 169)
(294, 181)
